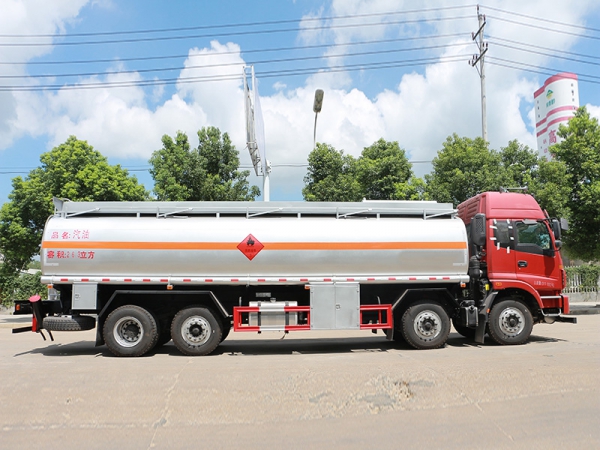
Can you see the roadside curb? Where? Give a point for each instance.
(584, 309)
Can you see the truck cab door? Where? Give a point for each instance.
(535, 258)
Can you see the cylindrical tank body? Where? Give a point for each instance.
(264, 246)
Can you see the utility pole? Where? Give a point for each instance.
(483, 48)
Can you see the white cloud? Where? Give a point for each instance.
(38, 17)
(593, 110)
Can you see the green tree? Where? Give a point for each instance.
(550, 187)
(209, 172)
(380, 170)
(463, 168)
(23, 286)
(580, 152)
(413, 189)
(331, 176)
(519, 165)
(73, 170)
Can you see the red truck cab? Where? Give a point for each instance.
(520, 259)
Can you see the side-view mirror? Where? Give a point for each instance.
(555, 228)
(558, 244)
(564, 224)
(478, 234)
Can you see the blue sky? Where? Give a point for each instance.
(390, 69)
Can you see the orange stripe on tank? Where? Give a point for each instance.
(114, 245)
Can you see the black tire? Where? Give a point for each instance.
(164, 331)
(425, 325)
(195, 331)
(464, 331)
(226, 329)
(510, 322)
(130, 331)
(163, 337)
(69, 323)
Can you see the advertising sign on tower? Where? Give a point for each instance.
(555, 103)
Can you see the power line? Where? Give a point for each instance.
(267, 61)
(238, 33)
(231, 77)
(275, 49)
(243, 24)
(566, 58)
(565, 52)
(516, 65)
(26, 170)
(555, 22)
(545, 28)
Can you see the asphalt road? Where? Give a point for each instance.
(310, 390)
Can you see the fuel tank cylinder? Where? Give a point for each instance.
(222, 245)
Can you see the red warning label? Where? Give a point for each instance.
(250, 247)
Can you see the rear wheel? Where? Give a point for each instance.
(425, 325)
(226, 329)
(195, 331)
(510, 322)
(130, 331)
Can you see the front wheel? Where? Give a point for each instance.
(510, 322)
(130, 331)
(425, 325)
(195, 331)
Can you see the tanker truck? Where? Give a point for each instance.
(144, 273)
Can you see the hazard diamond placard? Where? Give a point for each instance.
(250, 247)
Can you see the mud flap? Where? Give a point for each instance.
(483, 317)
(37, 320)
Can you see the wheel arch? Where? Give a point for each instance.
(522, 296)
(410, 296)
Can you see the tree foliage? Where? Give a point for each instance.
(23, 286)
(331, 176)
(382, 172)
(550, 187)
(519, 165)
(73, 170)
(463, 168)
(579, 151)
(209, 172)
(381, 168)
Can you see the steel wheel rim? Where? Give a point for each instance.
(428, 325)
(128, 331)
(196, 330)
(511, 321)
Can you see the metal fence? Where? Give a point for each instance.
(574, 285)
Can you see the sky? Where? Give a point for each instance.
(121, 74)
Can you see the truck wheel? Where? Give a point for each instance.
(130, 331)
(225, 332)
(196, 331)
(464, 331)
(510, 322)
(425, 325)
(163, 337)
(164, 331)
(69, 323)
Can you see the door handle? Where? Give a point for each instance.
(522, 263)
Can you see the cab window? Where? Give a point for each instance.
(533, 237)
